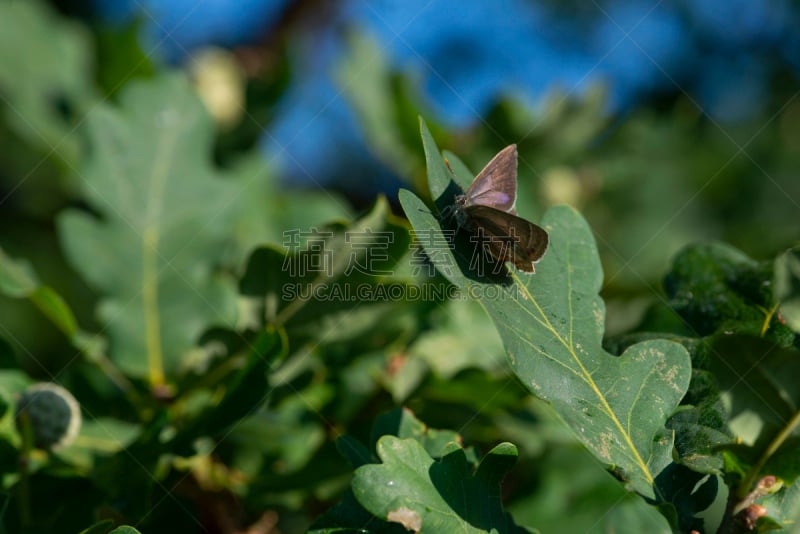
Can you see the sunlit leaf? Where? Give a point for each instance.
(411, 488)
(552, 327)
(401, 422)
(787, 286)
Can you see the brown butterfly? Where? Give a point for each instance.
(487, 208)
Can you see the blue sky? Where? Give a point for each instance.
(720, 53)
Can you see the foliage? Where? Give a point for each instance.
(247, 356)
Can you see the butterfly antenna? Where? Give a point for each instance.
(449, 168)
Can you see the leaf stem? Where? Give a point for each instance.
(768, 319)
(155, 359)
(755, 470)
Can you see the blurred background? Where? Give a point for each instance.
(665, 122)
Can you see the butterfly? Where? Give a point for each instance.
(487, 208)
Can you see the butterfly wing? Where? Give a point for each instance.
(509, 238)
(496, 184)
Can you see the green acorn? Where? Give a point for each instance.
(52, 414)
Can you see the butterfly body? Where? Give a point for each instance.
(488, 208)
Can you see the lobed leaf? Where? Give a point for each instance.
(552, 326)
(402, 423)
(423, 494)
(165, 216)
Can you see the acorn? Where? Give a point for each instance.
(52, 414)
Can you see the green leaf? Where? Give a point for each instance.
(124, 530)
(13, 381)
(374, 103)
(120, 57)
(784, 506)
(413, 489)
(265, 211)
(18, 280)
(685, 493)
(165, 216)
(787, 286)
(50, 71)
(463, 339)
(568, 474)
(232, 398)
(699, 434)
(757, 378)
(552, 326)
(762, 397)
(99, 437)
(701, 424)
(349, 517)
(314, 289)
(715, 287)
(285, 437)
(402, 423)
